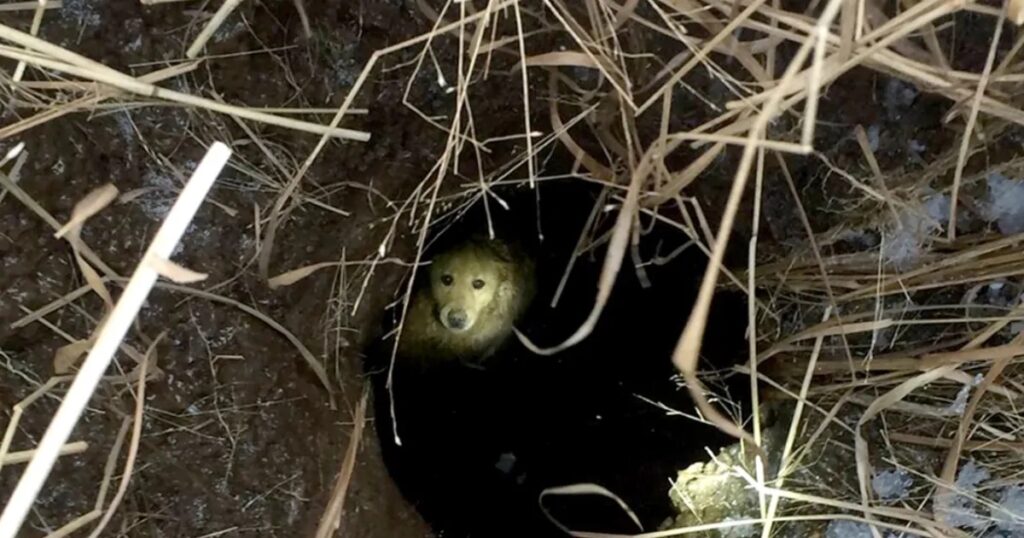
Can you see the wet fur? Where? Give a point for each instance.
(504, 266)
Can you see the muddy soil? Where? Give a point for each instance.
(238, 438)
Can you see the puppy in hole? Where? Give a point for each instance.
(476, 291)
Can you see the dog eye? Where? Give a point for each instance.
(447, 280)
(478, 284)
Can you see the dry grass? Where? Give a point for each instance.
(831, 42)
(592, 85)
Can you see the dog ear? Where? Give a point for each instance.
(502, 250)
(505, 289)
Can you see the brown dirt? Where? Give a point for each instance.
(238, 434)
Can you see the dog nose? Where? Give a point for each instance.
(457, 319)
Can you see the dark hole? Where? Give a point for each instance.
(479, 446)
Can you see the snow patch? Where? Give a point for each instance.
(958, 508)
(1004, 204)
(891, 484)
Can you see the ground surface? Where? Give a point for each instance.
(238, 436)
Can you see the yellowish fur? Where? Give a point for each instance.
(476, 292)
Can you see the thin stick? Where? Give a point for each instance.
(787, 449)
(441, 167)
(307, 355)
(275, 215)
(22, 456)
(526, 96)
(949, 467)
(688, 347)
(755, 394)
(331, 519)
(307, 30)
(133, 445)
(218, 19)
(108, 468)
(18, 411)
(109, 338)
(37, 21)
(80, 66)
(965, 142)
(90, 101)
(34, 206)
(72, 526)
(26, 6)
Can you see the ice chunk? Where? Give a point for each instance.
(1005, 203)
(891, 484)
(1009, 514)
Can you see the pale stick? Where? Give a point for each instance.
(218, 18)
(110, 336)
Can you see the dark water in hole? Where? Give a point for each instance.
(479, 446)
